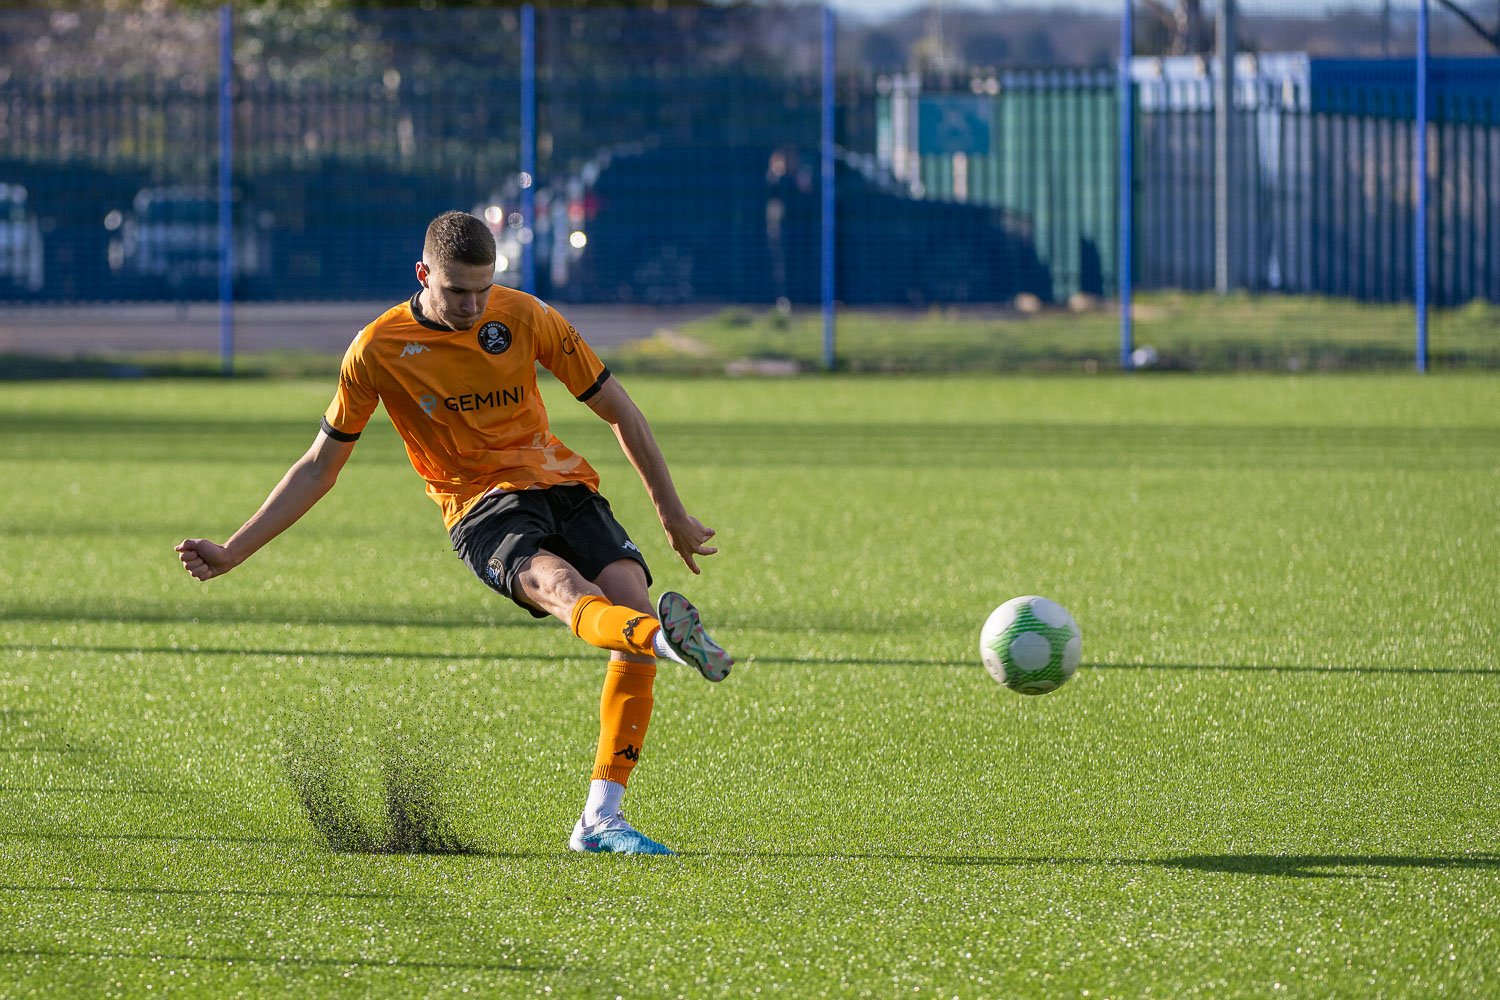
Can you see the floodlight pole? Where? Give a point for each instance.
(226, 189)
(1419, 250)
(1127, 184)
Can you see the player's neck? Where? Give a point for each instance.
(423, 314)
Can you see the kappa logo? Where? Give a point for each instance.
(413, 348)
(630, 753)
(631, 545)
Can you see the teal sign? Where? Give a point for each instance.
(954, 123)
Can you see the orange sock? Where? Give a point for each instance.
(613, 626)
(624, 713)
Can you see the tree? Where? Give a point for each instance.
(1187, 30)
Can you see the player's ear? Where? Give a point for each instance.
(422, 272)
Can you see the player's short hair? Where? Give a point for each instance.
(458, 238)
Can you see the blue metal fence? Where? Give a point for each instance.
(735, 156)
(1325, 176)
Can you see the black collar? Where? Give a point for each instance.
(420, 317)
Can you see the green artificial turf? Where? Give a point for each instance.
(349, 767)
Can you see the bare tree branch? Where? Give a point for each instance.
(1184, 20)
(1491, 36)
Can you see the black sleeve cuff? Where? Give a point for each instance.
(588, 394)
(337, 434)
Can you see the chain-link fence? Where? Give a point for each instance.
(987, 193)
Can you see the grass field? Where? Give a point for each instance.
(1187, 332)
(1275, 774)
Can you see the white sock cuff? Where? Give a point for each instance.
(664, 648)
(604, 800)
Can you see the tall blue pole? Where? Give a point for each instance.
(828, 245)
(1127, 185)
(1419, 251)
(528, 145)
(226, 189)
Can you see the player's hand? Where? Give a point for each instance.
(689, 537)
(204, 559)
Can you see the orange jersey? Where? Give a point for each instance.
(466, 401)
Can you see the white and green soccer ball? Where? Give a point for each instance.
(1031, 645)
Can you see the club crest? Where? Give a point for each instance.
(494, 337)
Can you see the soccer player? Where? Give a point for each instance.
(455, 367)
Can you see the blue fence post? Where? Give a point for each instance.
(528, 146)
(1419, 251)
(226, 189)
(828, 248)
(1127, 184)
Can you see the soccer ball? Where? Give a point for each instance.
(1031, 645)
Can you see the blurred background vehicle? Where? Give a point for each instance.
(172, 234)
(556, 236)
(662, 226)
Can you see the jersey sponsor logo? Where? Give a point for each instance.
(571, 341)
(514, 396)
(495, 337)
(427, 403)
(413, 348)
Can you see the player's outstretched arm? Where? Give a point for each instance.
(689, 536)
(304, 484)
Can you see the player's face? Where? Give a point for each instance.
(455, 295)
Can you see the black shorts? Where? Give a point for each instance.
(504, 530)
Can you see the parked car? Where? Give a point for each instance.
(554, 235)
(743, 224)
(172, 233)
(501, 212)
(22, 262)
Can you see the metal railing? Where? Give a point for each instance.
(717, 156)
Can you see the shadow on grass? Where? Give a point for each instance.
(855, 661)
(33, 367)
(417, 617)
(160, 838)
(65, 749)
(156, 957)
(84, 836)
(152, 890)
(1294, 669)
(1321, 865)
(1285, 865)
(86, 790)
(584, 653)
